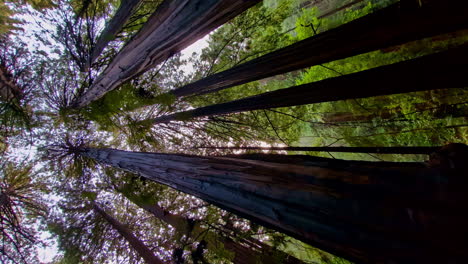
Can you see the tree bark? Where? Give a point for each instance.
(174, 26)
(8, 89)
(379, 150)
(361, 211)
(397, 24)
(442, 70)
(114, 26)
(242, 254)
(136, 244)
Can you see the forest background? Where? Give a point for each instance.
(79, 209)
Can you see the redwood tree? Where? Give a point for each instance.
(246, 251)
(397, 24)
(369, 212)
(113, 26)
(442, 70)
(134, 242)
(402, 22)
(174, 26)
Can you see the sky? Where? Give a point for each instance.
(195, 47)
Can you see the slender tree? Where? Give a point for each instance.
(380, 150)
(134, 242)
(113, 26)
(248, 251)
(87, 232)
(174, 26)
(441, 70)
(364, 211)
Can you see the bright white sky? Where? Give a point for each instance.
(195, 47)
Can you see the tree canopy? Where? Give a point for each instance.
(323, 131)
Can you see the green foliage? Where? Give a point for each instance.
(397, 120)
(83, 7)
(21, 206)
(123, 99)
(9, 8)
(252, 34)
(138, 190)
(308, 253)
(139, 18)
(7, 23)
(89, 195)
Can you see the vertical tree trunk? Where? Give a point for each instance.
(363, 211)
(441, 70)
(174, 26)
(242, 254)
(136, 244)
(114, 26)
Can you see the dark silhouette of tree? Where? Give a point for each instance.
(380, 150)
(246, 250)
(364, 211)
(441, 70)
(402, 22)
(134, 242)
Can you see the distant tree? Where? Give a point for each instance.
(113, 26)
(20, 70)
(87, 232)
(134, 242)
(9, 8)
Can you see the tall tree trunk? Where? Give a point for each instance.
(399, 23)
(175, 25)
(442, 70)
(365, 212)
(114, 26)
(379, 150)
(242, 254)
(136, 244)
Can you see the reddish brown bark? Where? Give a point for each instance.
(397, 24)
(174, 26)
